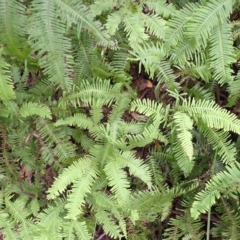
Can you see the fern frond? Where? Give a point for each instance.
(118, 181)
(79, 119)
(81, 187)
(182, 227)
(177, 24)
(108, 224)
(149, 56)
(144, 202)
(98, 89)
(155, 25)
(83, 58)
(49, 222)
(6, 85)
(74, 172)
(160, 7)
(211, 114)
(30, 108)
(13, 34)
(165, 75)
(226, 182)
(20, 214)
(206, 17)
(199, 92)
(56, 141)
(73, 229)
(100, 6)
(220, 143)
(234, 89)
(182, 158)
(147, 107)
(77, 13)
(222, 52)
(183, 126)
(47, 35)
(183, 51)
(136, 167)
(134, 28)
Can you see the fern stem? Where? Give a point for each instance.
(208, 224)
(209, 211)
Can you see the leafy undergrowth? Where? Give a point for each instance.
(119, 119)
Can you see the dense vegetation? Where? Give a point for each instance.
(119, 119)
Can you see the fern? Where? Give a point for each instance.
(6, 88)
(224, 182)
(84, 154)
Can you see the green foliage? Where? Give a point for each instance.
(83, 153)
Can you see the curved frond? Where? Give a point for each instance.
(136, 167)
(79, 119)
(76, 12)
(183, 126)
(75, 172)
(226, 183)
(30, 108)
(220, 143)
(212, 115)
(206, 17)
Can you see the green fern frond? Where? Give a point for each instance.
(226, 182)
(118, 181)
(177, 24)
(98, 89)
(83, 59)
(184, 163)
(183, 126)
(160, 7)
(47, 35)
(234, 89)
(182, 227)
(134, 28)
(30, 108)
(56, 143)
(199, 92)
(222, 53)
(113, 22)
(74, 172)
(49, 223)
(206, 17)
(220, 143)
(108, 224)
(165, 75)
(155, 25)
(73, 229)
(145, 201)
(20, 215)
(100, 6)
(81, 187)
(79, 119)
(77, 13)
(136, 167)
(147, 107)
(184, 51)
(211, 114)
(13, 34)
(149, 56)
(6, 85)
